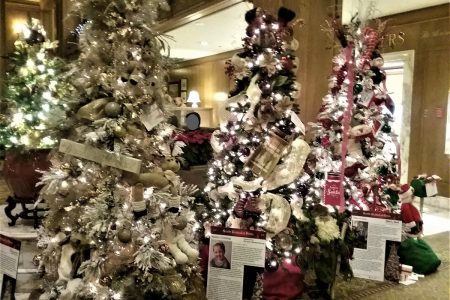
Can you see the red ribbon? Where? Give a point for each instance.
(370, 41)
(346, 120)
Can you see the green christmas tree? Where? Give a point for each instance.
(119, 224)
(34, 104)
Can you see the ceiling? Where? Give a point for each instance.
(223, 31)
(215, 33)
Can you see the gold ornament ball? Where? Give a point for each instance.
(180, 223)
(176, 287)
(120, 131)
(124, 235)
(113, 109)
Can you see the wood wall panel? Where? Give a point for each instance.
(314, 52)
(427, 32)
(2, 46)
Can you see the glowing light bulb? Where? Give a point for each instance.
(17, 119)
(30, 64)
(48, 141)
(47, 95)
(25, 140)
(46, 107)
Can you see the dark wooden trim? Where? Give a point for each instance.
(194, 13)
(22, 3)
(59, 24)
(2, 46)
(198, 61)
(427, 14)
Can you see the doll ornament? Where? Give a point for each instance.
(179, 248)
(411, 217)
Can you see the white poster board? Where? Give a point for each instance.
(9, 262)
(235, 255)
(373, 230)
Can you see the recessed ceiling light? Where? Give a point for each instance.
(204, 43)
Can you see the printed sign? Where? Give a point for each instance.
(9, 262)
(373, 230)
(236, 256)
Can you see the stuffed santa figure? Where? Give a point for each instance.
(409, 213)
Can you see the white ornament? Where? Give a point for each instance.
(253, 93)
(65, 263)
(296, 206)
(277, 211)
(354, 149)
(233, 222)
(291, 167)
(228, 190)
(215, 143)
(247, 186)
(180, 249)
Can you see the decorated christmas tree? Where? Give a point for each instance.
(34, 104)
(119, 224)
(256, 179)
(353, 146)
(353, 159)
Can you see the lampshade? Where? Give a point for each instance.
(193, 98)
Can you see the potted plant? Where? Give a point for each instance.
(32, 113)
(196, 154)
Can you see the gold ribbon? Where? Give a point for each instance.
(93, 110)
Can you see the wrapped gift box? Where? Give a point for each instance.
(431, 189)
(419, 187)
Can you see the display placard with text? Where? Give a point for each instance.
(236, 256)
(373, 229)
(9, 262)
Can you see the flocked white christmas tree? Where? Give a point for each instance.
(119, 224)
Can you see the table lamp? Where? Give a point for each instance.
(193, 98)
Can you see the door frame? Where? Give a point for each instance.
(407, 59)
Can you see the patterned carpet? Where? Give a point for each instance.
(434, 286)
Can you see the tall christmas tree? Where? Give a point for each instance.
(353, 145)
(256, 180)
(119, 224)
(34, 104)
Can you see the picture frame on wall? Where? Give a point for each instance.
(183, 84)
(173, 89)
(183, 95)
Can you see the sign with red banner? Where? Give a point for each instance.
(331, 191)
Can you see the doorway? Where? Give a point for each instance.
(399, 67)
